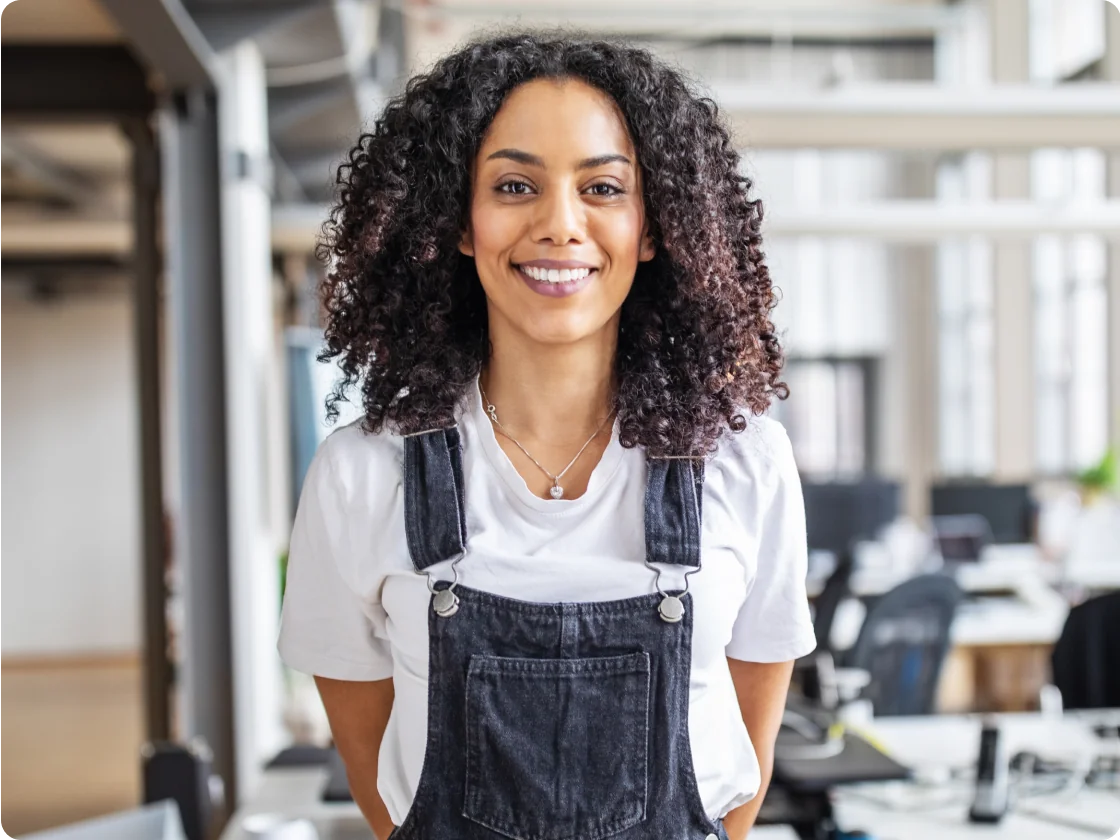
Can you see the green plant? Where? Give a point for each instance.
(1102, 477)
(283, 574)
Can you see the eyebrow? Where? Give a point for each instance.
(533, 160)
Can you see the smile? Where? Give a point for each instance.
(553, 275)
(556, 282)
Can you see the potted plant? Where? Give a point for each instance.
(1100, 479)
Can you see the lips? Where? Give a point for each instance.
(556, 278)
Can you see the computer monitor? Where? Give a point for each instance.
(1008, 508)
(157, 821)
(838, 514)
(961, 538)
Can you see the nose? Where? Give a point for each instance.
(560, 218)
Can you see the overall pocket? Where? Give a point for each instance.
(556, 748)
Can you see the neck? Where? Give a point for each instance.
(557, 394)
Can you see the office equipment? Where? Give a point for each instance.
(903, 643)
(155, 821)
(989, 802)
(852, 760)
(1008, 508)
(941, 749)
(836, 589)
(961, 538)
(337, 787)
(183, 773)
(1086, 658)
(837, 514)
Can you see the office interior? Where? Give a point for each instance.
(942, 191)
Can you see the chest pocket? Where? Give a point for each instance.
(557, 748)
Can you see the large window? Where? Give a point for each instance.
(1071, 318)
(827, 415)
(965, 331)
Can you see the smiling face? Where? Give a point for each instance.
(557, 222)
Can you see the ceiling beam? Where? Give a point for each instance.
(168, 39)
(923, 116)
(73, 83)
(225, 27)
(710, 18)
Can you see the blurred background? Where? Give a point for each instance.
(942, 192)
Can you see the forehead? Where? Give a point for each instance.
(560, 119)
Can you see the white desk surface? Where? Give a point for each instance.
(932, 745)
(294, 792)
(1034, 615)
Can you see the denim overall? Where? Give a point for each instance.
(565, 721)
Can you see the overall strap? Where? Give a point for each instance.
(434, 513)
(674, 488)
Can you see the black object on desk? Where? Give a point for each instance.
(810, 760)
(1008, 508)
(855, 761)
(301, 755)
(182, 773)
(837, 514)
(337, 788)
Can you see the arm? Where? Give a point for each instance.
(761, 688)
(358, 713)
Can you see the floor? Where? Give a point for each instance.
(70, 742)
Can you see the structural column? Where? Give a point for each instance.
(192, 244)
(147, 308)
(1012, 284)
(1111, 73)
(253, 370)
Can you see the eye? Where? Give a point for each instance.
(514, 188)
(604, 190)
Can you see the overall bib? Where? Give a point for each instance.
(565, 721)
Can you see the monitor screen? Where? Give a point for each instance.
(838, 514)
(1007, 507)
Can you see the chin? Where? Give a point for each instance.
(559, 331)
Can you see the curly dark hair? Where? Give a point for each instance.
(405, 311)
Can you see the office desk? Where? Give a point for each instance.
(933, 745)
(294, 792)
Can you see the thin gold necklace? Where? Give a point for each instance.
(556, 491)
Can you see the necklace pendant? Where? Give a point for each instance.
(556, 491)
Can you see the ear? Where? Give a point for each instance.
(466, 243)
(646, 249)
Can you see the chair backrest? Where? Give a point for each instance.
(836, 589)
(1086, 658)
(903, 644)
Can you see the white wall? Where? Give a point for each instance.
(70, 506)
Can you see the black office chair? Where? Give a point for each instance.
(1086, 658)
(903, 644)
(836, 589)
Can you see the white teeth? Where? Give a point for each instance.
(553, 275)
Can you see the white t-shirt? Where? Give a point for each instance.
(355, 609)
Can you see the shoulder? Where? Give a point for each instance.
(761, 452)
(362, 464)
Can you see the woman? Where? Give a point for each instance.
(552, 585)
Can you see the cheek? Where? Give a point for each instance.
(492, 231)
(621, 235)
